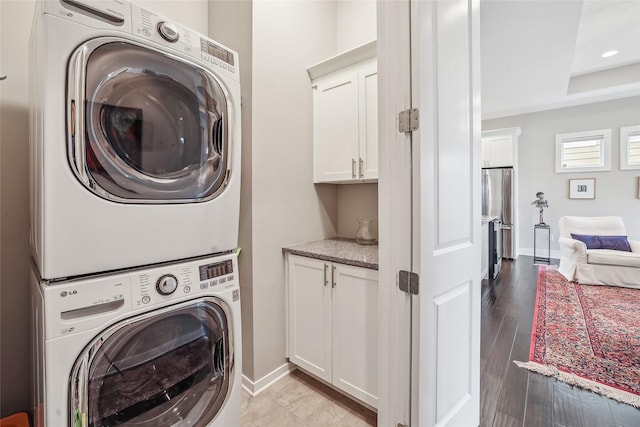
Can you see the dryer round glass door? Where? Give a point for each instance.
(167, 367)
(146, 126)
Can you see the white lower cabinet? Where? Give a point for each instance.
(333, 324)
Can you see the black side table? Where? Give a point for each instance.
(541, 243)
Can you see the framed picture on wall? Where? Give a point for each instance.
(582, 188)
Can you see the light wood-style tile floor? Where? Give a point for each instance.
(298, 400)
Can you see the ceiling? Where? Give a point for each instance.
(545, 54)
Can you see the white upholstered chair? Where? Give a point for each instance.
(597, 266)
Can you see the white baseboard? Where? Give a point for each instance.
(555, 254)
(256, 387)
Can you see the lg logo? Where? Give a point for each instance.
(65, 293)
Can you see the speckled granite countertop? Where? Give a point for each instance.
(338, 250)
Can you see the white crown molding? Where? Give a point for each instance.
(626, 91)
(340, 61)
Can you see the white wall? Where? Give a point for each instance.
(280, 205)
(356, 23)
(16, 17)
(616, 190)
(287, 207)
(230, 23)
(15, 304)
(357, 201)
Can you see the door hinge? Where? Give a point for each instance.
(408, 282)
(408, 120)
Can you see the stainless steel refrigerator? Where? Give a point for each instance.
(497, 201)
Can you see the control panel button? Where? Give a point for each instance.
(146, 299)
(167, 284)
(186, 289)
(168, 31)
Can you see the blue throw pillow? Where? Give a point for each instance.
(591, 241)
(616, 243)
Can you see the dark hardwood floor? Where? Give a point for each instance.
(513, 396)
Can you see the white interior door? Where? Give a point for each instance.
(436, 212)
(445, 88)
(395, 214)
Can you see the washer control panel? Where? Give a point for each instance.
(80, 305)
(183, 280)
(167, 284)
(83, 304)
(168, 31)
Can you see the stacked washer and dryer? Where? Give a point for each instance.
(135, 189)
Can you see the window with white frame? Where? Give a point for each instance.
(587, 151)
(630, 147)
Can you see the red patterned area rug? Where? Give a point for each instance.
(588, 336)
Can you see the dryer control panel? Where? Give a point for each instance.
(157, 28)
(115, 16)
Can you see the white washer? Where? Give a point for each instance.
(135, 139)
(153, 347)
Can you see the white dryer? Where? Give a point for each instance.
(135, 139)
(153, 347)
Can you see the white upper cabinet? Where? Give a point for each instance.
(345, 117)
(499, 147)
(497, 152)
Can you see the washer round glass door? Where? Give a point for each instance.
(146, 126)
(166, 368)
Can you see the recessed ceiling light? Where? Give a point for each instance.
(609, 53)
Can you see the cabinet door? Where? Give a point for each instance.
(309, 315)
(335, 127)
(499, 151)
(484, 150)
(368, 147)
(355, 332)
